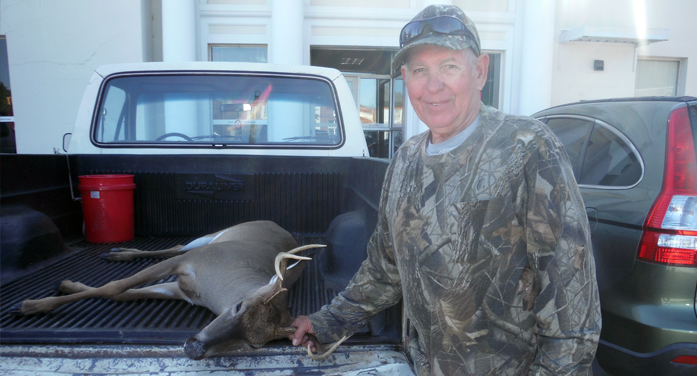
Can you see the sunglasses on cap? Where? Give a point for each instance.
(447, 25)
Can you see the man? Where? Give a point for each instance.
(481, 230)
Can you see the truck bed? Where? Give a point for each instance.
(100, 320)
(303, 195)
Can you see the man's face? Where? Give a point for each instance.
(444, 89)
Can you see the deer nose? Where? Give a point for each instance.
(194, 349)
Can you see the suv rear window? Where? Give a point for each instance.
(600, 155)
(609, 161)
(214, 110)
(573, 133)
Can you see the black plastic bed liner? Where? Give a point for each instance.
(100, 320)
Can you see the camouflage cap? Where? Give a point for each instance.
(454, 41)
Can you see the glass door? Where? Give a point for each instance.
(380, 101)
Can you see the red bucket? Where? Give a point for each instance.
(107, 206)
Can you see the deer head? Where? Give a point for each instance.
(260, 317)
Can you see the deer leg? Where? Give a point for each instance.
(109, 290)
(128, 254)
(169, 290)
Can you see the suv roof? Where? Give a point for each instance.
(686, 98)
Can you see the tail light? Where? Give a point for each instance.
(686, 359)
(670, 230)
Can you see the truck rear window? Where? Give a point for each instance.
(216, 110)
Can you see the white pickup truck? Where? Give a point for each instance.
(210, 145)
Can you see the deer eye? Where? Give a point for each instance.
(238, 307)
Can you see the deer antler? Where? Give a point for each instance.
(292, 255)
(326, 353)
(287, 331)
(277, 280)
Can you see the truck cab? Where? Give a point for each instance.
(217, 109)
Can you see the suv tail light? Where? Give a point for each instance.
(670, 230)
(686, 359)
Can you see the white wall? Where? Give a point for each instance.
(575, 79)
(53, 47)
(680, 16)
(573, 76)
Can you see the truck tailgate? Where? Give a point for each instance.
(170, 361)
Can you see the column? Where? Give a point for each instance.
(287, 18)
(537, 60)
(179, 45)
(178, 30)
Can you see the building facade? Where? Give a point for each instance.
(543, 52)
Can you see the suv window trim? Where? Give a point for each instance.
(614, 131)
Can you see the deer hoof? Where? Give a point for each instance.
(112, 256)
(16, 309)
(116, 254)
(194, 349)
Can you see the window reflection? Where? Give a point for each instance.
(368, 101)
(573, 133)
(380, 143)
(609, 161)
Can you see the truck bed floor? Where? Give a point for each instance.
(106, 321)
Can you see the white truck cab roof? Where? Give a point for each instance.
(218, 108)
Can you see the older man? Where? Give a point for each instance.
(481, 230)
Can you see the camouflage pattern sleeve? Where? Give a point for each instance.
(558, 244)
(375, 287)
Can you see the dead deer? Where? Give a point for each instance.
(230, 272)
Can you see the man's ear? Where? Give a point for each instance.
(482, 70)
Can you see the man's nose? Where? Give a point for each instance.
(434, 82)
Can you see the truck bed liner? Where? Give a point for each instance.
(100, 320)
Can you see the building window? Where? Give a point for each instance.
(490, 92)
(240, 53)
(657, 78)
(380, 101)
(377, 93)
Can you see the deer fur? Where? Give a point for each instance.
(228, 272)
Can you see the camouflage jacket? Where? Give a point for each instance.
(489, 246)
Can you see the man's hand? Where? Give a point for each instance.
(304, 326)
